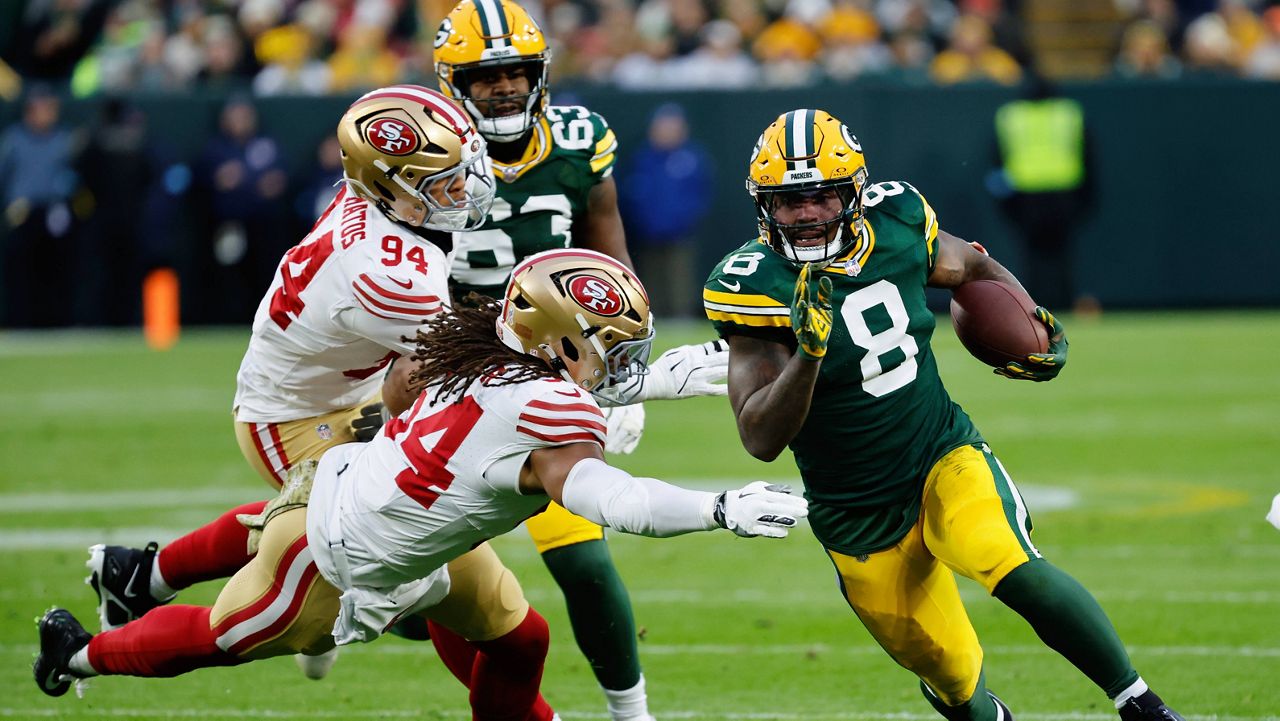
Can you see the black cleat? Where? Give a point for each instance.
(122, 579)
(1147, 707)
(61, 636)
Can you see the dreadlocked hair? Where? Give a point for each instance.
(457, 347)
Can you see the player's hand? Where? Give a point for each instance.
(760, 509)
(811, 314)
(372, 417)
(624, 426)
(688, 371)
(1042, 366)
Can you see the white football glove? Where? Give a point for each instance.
(625, 425)
(760, 509)
(688, 371)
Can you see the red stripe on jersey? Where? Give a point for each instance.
(565, 438)
(393, 295)
(566, 407)
(401, 312)
(574, 422)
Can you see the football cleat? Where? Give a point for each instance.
(316, 667)
(61, 636)
(122, 579)
(1147, 707)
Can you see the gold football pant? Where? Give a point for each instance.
(972, 522)
(273, 448)
(279, 603)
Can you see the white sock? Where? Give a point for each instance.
(1137, 688)
(79, 663)
(628, 704)
(160, 590)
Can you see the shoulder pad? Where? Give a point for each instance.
(394, 294)
(744, 288)
(577, 129)
(901, 200)
(559, 413)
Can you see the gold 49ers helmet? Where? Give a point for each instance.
(416, 156)
(482, 34)
(584, 313)
(803, 153)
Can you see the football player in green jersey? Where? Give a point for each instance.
(829, 353)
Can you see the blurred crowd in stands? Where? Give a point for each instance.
(274, 47)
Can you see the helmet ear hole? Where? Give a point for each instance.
(521, 302)
(568, 350)
(384, 191)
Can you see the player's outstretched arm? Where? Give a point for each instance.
(688, 371)
(576, 477)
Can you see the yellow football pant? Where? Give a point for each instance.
(556, 528)
(973, 522)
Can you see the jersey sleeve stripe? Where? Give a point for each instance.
(746, 309)
(758, 301)
(554, 422)
(588, 437)
(607, 145)
(372, 285)
(599, 163)
(775, 321)
(394, 312)
(566, 407)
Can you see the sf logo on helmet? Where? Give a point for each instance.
(392, 137)
(596, 295)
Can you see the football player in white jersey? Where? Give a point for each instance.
(342, 306)
(508, 422)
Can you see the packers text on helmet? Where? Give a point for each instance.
(806, 176)
(482, 35)
(584, 313)
(416, 156)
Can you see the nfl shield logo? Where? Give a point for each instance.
(324, 431)
(852, 267)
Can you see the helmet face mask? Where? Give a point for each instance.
(416, 156)
(586, 315)
(806, 176)
(486, 35)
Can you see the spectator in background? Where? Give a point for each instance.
(1043, 183)
(719, 63)
(56, 34)
(912, 55)
(37, 180)
(289, 63)
(1144, 53)
(116, 169)
(1264, 62)
(971, 56)
(241, 177)
(227, 67)
(787, 49)
(851, 42)
(665, 194)
(1208, 50)
(319, 188)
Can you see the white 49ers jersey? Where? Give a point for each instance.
(336, 313)
(441, 479)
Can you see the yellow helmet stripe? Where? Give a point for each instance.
(493, 21)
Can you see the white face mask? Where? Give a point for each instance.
(507, 128)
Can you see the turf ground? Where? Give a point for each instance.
(1148, 466)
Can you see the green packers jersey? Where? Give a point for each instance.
(880, 417)
(538, 198)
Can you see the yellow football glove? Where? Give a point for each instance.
(811, 314)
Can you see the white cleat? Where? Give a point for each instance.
(316, 667)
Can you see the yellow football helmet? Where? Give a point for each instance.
(806, 152)
(483, 34)
(409, 151)
(584, 313)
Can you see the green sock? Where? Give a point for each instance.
(599, 611)
(1068, 619)
(979, 707)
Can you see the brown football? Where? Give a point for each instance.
(996, 322)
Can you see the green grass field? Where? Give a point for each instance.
(1148, 465)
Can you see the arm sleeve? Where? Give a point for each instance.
(644, 506)
(604, 148)
(387, 306)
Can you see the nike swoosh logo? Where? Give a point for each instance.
(403, 284)
(54, 678)
(128, 587)
(735, 287)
